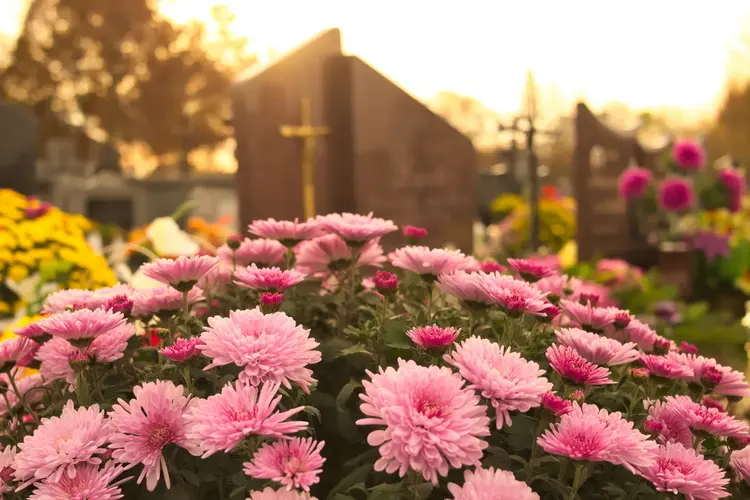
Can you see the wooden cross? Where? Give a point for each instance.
(308, 134)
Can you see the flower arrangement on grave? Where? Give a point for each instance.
(304, 362)
(42, 249)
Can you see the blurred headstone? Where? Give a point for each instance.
(18, 146)
(386, 152)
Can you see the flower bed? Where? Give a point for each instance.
(293, 365)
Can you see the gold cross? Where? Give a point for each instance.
(308, 133)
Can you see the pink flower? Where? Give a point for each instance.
(432, 423)
(181, 273)
(217, 278)
(572, 366)
(24, 385)
(688, 154)
(357, 228)
(508, 381)
(490, 266)
(147, 423)
(530, 270)
(556, 405)
(727, 382)
(588, 316)
(414, 233)
(464, 286)
(270, 302)
(597, 349)
(263, 252)
(668, 426)
(710, 402)
(182, 349)
(481, 484)
(19, 351)
(222, 421)
(165, 299)
(120, 304)
(385, 282)
(634, 182)
(666, 367)
(267, 278)
(320, 256)
(708, 420)
(640, 333)
(555, 286)
(676, 194)
(89, 482)
(640, 373)
(289, 232)
(268, 347)
(271, 494)
(82, 324)
(295, 463)
(65, 300)
(7, 458)
(678, 469)
(739, 461)
(433, 336)
(514, 296)
(595, 435)
(429, 261)
(30, 331)
(734, 183)
(77, 436)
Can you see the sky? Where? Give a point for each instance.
(645, 53)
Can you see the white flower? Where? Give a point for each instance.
(140, 281)
(169, 240)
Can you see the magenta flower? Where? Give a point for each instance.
(556, 405)
(431, 262)
(480, 483)
(385, 282)
(181, 273)
(573, 367)
(289, 232)
(666, 367)
(688, 154)
(530, 270)
(595, 435)
(222, 421)
(263, 252)
(681, 470)
(268, 347)
(739, 461)
(667, 425)
(30, 331)
(82, 324)
(514, 296)
(357, 228)
(7, 457)
(432, 423)
(142, 427)
(120, 304)
(77, 436)
(727, 382)
(295, 463)
(182, 349)
(597, 349)
(508, 381)
(464, 286)
(433, 336)
(36, 210)
(676, 194)
(88, 482)
(414, 233)
(712, 244)
(162, 300)
(634, 182)
(319, 256)
(267, 278)
(704, 419)
(270, 302)
(490, 266)
(281, 494)
(588, 316)
(734, 183)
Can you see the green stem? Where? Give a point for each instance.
(21, 398)
(430, 290)
(186, 311)
(578, 480)
(188, 379)
(377, 341)
(82, 389)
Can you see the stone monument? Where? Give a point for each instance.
(318, 121)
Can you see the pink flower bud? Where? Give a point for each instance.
(414, 233)
(555, 404)
(271, 301)
(385, 282)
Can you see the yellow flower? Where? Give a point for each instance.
(743, 283)
(569, 254)
(18, 273)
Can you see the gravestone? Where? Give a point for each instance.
(606, 226)
(385, 151)
(18, 145)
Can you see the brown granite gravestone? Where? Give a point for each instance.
(386, 152)
(605, 225)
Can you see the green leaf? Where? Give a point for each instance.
(237, 492)
(386, 491)
(345, 393)
(358, 475)
(311, 410)
(355, 349)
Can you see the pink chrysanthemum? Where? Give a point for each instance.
(429, 261)
(588, 316)
(182, 349)
(281, 494)
(688, 154)
(217, 278)
(7, 457)
(681, 470)
(19, 351)
(581, 288)
(704, 419)
(465, 286)
(597, 349)
(357, 228)
(64, 300)
(491, 266)
(287, 231)
(263, 252)
(508, 381)
(24, 385)
(482, 484)
(143, 426)
(82, 324)
(266, 346)
(295, 463)
(385, 282)
(181, 273)
(267, 278)
(668, 426)
(556, 286)
(163, 299)
(728, 382)
(77, 436)
(222, 421)
(734, 182)
(319, 256)
(432, 423)
(634, 182)
(556, 405)
(595, 435)
(433, 337)
(740, 463)
(676, 194)
(30, 331)
(572, 366)
(90, 483)
(515, 297)
(530, 270)
(640, 333)
(666, 367)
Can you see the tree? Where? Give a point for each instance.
(122, 72)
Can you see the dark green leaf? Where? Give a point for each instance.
(358, 475)
(355, 349)
(345, 393)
